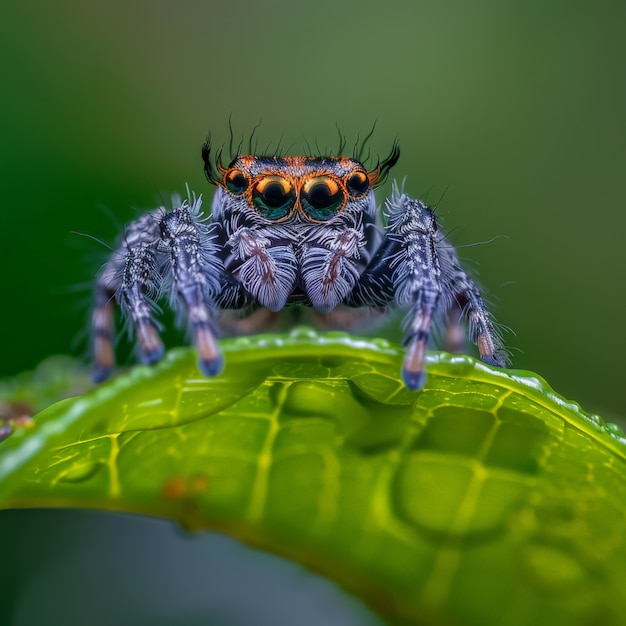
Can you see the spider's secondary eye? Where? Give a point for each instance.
(358, 184)
(273, 197)
(236, 182)
(322, 198)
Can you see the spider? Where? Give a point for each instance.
(290, 234)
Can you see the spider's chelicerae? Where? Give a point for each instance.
(290, 233)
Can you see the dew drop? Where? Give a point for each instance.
(303, 332)
(81, 473)
(461, 364)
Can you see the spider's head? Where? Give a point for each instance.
(308, 189)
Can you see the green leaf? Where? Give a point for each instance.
(484, 499)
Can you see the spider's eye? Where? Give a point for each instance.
(236, 182)
(358, 184)
(273, 197)
(322, 198)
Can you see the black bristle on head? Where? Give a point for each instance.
(388, 162)
(209, 166)
(360, 146)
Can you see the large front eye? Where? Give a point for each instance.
(236, 182)
(322, 198)
(358, 183)
(273, 197)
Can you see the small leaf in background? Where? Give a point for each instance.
(484, 499)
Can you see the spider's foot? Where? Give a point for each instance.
(490, 352)
(5, 431)
(210, 359)
(211, 367)
(498, 359)
(101, 373)
(413, 372)
(413, 380)
(152, 356)
(151, 347)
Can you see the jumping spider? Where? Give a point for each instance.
(286, 232)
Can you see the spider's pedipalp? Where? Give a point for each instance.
(329, 269)
(266, 270)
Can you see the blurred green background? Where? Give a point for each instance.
(513, 111)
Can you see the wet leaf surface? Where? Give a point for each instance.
(483, 499)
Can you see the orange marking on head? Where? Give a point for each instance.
(247, 161)
(296, 161)
(286, 181)
(374, 175)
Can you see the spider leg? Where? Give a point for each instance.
(417, 281)
(405, 270)
(196, 273)
(129, 274)
(102, 329)
(464, 300)
(482, 330)
(416, 268)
